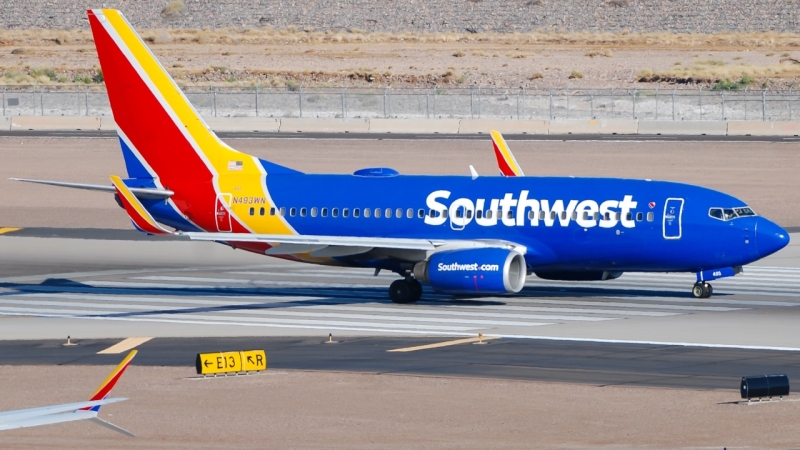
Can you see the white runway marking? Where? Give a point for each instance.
(322, 299)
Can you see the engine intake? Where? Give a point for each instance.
(470, 271)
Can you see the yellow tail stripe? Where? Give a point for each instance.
(114, 372)
(506, 152)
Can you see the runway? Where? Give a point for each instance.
(421, 136)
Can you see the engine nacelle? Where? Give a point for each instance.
(485, 270)
(593, 275)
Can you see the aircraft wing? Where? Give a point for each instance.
(505, 159)
(70, 412)
(138, 192)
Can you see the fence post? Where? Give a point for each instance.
(790, 105)
(87, 102)
(518, 93)
(656, 103)
(567, 105)
(722, 94)
(612, 103)
(471, 101)
(300, 100)
(4, 101)
(763, 105)
(700, 97)
(215, 102)
(634, 104)
(673, 105)
(591, 104)
(427, 103)
(344, 101)
(551, 104)
(41, 99)
(522, 99)
(256, 101)
(745, 103)
(434, 102)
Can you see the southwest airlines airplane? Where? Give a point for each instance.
(460, 234)
(70, 412)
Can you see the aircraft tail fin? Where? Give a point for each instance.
(505, 159)
(108, 384)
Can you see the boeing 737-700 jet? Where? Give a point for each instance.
(469, 235)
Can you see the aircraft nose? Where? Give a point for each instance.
(770, 237)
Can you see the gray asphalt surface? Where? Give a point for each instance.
(515, 359)
(420, 136)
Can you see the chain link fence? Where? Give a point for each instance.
(458, 103)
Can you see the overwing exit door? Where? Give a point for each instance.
(673, 215)
(222, 214)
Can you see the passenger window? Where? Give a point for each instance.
(574, 215)
(607, 216)
(303, 212)
(597, 216)
(431, 213)
(398, 213)
(552, 215)
(283, 211)
(639, 217)
(510, 214)
(650, 217)
(563, 215)
(410, 213)
(715, 213)
(367, 212)
(314, 212)
(324, 212)
(252, 211)
(335, 212)
(356, 212)
(261, 211)
(541, 215)
(531, 215)
(421, 213)
(489, 214)
(629, 216)
(444, 213)
(459, 212)
(377, 213)
(585, 215)
(272, 211)
(346, 212)
(292, 212)
(388, 213)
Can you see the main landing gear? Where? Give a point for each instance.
(702, 290)
(407, 290)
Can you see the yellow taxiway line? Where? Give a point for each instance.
(124, 346)
(443, 344)
(4, 230)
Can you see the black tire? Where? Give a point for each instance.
(698, 290)
(400, 292)
(709, 290)
(416, 289)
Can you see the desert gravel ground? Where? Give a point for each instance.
(295, 409)
(762, 174)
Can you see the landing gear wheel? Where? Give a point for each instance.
(702, 290)
(416, 289)
(401, 292)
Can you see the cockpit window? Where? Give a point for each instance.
(742, 212)
(730, 213)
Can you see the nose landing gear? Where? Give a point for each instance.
(702, 290)
(407, 290)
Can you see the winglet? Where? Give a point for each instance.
(505, 159)
(139, 215)
(108, 384)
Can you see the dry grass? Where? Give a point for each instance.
(173, 10)
(713, 73)
(459, 54)
(600, 52)
(575, 75)
(291, 35)
(536, 76)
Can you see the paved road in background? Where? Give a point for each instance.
(420, 136)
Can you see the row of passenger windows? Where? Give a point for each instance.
(730, 213)
(420, 213)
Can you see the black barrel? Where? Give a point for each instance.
(765, 386)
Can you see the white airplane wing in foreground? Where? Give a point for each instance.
(70, 412)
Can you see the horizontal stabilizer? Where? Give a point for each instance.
(111, 426)
(138, 214)
(146, 193)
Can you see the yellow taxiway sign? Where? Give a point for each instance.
(231, 362)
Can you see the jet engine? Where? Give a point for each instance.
(487, 270)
